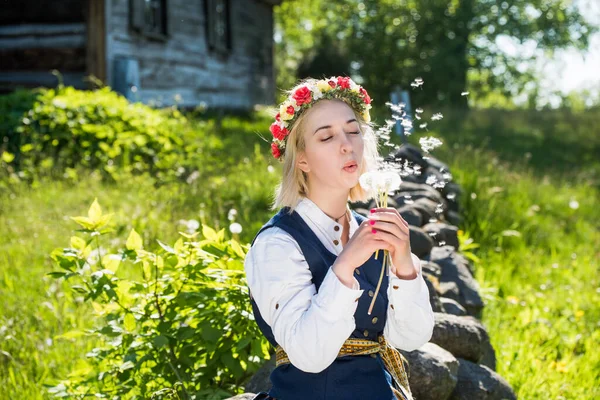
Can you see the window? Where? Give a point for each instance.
(149, 17)
(218, 25)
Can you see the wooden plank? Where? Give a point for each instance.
(42, 29)
(42, 59)
(12, 79)
(41, 11)
(96, 39)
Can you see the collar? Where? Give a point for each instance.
(308, 209)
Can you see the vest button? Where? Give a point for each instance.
(336, 242)
(374, 320)
(391, 305)
(336, 228)
(366, 333)
(276, 306)
(371, 293)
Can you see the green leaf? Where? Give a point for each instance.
(85, 222)
(166, 247)
(111, 262)
(210, 333)
(209, 233)
(56, 274)
(160, 341)
(134, 241)
(7, 157)
(237, 249)
(129, 322)
(78, 243)
(95, 212)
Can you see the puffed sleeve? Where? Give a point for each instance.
(410, 318)
(311, 327)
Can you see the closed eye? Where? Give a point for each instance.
(326, 139)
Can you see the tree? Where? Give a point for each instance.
(451, 44)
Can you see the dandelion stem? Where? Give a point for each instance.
(378, 283)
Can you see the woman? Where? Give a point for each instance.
(311, 269)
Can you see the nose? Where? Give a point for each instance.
(346, 144)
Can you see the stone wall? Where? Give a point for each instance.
(458, 362)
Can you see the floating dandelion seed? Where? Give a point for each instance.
(437, 116)
(429, 143)
(423, 125)
(417, 82)
(271, 169)
(464, 93)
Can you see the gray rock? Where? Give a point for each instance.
(434, 299)
(441, 232)
(456, 268)
(453, 217)
(427, 209)
(420, 242)
(243, 396)
(260, 381)
(478, 382)
(463, 336)
(411, 216)
(432, 372)
(451, 306)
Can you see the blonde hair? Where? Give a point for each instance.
(294, 182)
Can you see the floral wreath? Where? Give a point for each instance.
(304, 96)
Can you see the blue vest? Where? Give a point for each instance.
(347, 378)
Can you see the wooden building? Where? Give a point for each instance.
(216, 52)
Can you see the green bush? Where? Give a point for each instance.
(175, 323)
(65, 129)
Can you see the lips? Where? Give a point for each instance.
(349, 164)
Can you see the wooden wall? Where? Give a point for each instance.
(37, 36)
(182, 64)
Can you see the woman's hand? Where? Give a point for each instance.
(394, 231)
(357, 251)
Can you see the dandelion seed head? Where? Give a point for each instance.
(235, 228)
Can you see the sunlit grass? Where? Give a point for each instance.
(539, 236)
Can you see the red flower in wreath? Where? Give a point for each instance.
(277, 132)
(366, 97)
(302, 95)
(290, 110)
(278, 117)
(275, 150)
(344, 82)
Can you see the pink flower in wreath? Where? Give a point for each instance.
(277, 132)
(275, 150)
(332, 83)
(344, 82)
(366, 97)
(302, 95)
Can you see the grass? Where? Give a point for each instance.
(539, 255)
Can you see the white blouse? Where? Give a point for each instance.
(312, 326)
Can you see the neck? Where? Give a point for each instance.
(335, 206)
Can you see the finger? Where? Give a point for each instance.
(393, 228)
(391, 215)
(388, 237)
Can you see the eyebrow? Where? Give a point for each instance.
(329, 126)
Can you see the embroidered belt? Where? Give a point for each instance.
(394, 361)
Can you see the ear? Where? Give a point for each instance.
(302, 163)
